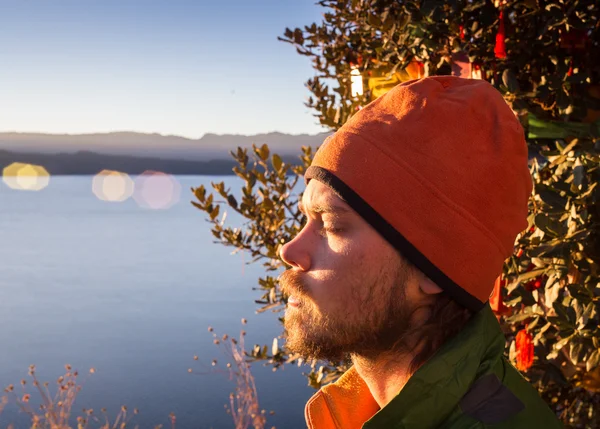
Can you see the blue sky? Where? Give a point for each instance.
(182, 67)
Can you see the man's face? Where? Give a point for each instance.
(349, 291)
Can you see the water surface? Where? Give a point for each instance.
(131, 293)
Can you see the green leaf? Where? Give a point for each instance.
(519, 317)
(232, 201)
(580, 293)
(263, 152)
(214, 213)
(592, 361)
(548, 250)
(200, 193)
(576, 352)
(550, 225)
(277, 162)
(542, 332)
(531, 274)
(251, 181)
(268, 204)
(561, 343)
(514, 301)
(552, 293)
(563, 325)
(566, 314)
(553, 199)
(583, 314)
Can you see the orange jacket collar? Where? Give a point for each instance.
(347, 404)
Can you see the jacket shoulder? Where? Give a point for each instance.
(500, 401)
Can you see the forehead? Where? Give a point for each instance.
(318, 195)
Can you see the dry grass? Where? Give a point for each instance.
(56, 410)
(243, 407)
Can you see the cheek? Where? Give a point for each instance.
(342, 275)
(338, 257)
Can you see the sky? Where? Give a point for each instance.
(173, 67)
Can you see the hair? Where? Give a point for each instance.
(446, 319)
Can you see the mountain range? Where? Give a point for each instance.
(134, 153)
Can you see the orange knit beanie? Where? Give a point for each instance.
(438, 166)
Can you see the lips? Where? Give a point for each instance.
(293, 301)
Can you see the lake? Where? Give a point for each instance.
(131, 292)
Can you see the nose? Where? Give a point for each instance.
(295, 254)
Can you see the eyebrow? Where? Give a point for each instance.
(322, 208)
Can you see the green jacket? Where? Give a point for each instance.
(467, 384)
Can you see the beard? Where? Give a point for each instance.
(375, 317)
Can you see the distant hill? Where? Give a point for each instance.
(210, 146)
(134, 153)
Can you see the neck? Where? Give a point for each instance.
(384, 375)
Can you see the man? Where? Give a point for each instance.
(411, 209)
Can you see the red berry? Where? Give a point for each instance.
(520, 253)
(525, 350)
(535, 284)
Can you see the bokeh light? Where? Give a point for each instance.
(112, 186)
(25, 177)
(156, 190)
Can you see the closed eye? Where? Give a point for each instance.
(330, 230)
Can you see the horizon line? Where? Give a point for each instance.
(156, 134)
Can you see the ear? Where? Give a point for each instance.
(428, 286)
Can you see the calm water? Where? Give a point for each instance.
(130, 292)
